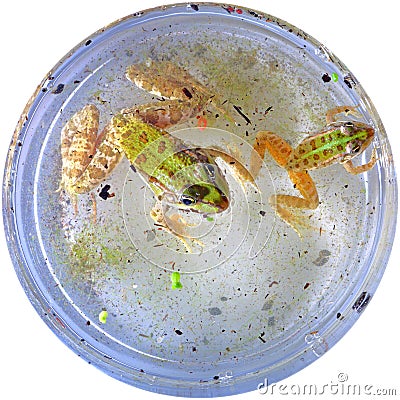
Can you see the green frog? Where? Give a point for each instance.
(337, 142)
(183, 177)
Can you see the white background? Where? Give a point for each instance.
(36, 34)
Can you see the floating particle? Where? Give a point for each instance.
(214, 311)
(195, 7)
(306, 285)
(150, 235)
(178, 332)
(240, 112)
(349, 81)
(361, 302)
(334, 76)
(268, 110)
(323, 258)
(160, 339)
(104, 194)
(326, 78)
(201, 122)
(103, 316)
(58, 89)
(176, 280)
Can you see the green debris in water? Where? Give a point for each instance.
(103, 316)
(335, 77)
(210, 219)
(176, 280)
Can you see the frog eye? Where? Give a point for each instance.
(187, 200)
(349, 124)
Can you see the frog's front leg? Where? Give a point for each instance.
(359, 169)
(174, 225)
(280, 150)
(333, 112)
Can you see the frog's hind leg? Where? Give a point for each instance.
(78, 143)
(332, 113)
(277, 147)
(283, 204)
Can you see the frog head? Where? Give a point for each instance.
(361, 137)
(204, 189)
(204, 198)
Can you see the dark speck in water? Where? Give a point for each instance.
(361, 302)
(348, 80)
(214, 311)
(323, 258)
(195, 7)
(240, 112)
(223, 298)
(326, 78)
(104, 193)
(58, 89)
(178, 332)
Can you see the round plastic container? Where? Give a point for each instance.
(257, 301)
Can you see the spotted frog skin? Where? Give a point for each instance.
(182, 177)
(337, 142)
